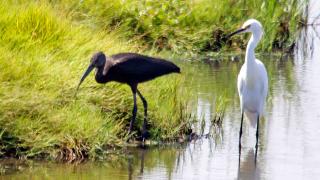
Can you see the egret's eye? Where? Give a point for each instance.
(247, 27)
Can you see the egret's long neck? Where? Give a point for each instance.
(252, 44)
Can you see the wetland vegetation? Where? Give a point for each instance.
(46, 45)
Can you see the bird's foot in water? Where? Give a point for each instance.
(144, 136)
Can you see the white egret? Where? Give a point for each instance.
(252, 79)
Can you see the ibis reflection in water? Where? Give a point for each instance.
(131, 69)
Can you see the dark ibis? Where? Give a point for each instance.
(131, 69)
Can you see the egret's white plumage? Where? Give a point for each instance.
(252, 79)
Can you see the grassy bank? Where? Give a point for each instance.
(43, 53)
(196, 26)
(46, 45)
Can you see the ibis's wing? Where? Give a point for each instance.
(141, 67)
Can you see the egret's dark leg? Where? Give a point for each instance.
(257, 133)
(240, 133)
(257, 141)
(134, 111)
(145, 106)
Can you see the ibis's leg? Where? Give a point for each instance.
(240, 133)
(257, 133)
(134, 111)
(145, 105)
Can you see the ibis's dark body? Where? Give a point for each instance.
(134, 68)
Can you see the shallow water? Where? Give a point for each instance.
(289, 133)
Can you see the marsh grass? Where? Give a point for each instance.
(43, 53)
(214, 124)
(46, 45)
(193, 26)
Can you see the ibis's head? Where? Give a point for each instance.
(98, 60)
(250, 25)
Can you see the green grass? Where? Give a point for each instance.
(43, 54)
(195, 26)
(46, 45)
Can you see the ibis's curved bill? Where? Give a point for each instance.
(85, 74)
